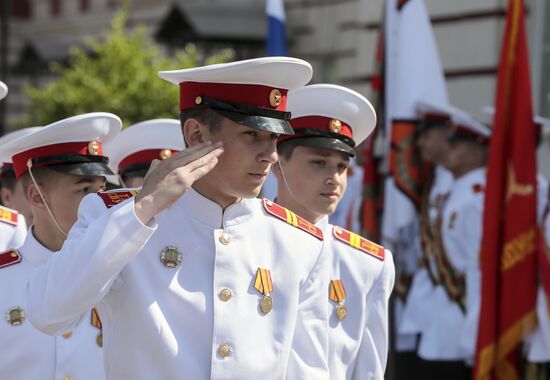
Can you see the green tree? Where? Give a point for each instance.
(118, 75)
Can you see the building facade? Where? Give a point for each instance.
(337, 36)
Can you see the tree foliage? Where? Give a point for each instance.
(117, 74)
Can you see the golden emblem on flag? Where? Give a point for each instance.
(264, 286)
(337, 294)
(170, 257)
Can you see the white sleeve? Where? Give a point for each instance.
(309, 351)
(75, 279)
(473, 230)
(20, 233)
(373, 352)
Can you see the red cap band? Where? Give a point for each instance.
(321, 123)
(82, 147)
(463, 131)
(191, 94)
(145, 157)
(434, 116)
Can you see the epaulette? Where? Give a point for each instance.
(291, 218)
(9, 216)
(10, 257)
(113, 197)
(478, 188)
(359, 242)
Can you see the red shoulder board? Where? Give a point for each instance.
(114, 197)
(8, 216)
(9, 258)
(359, 242)
(291, 218)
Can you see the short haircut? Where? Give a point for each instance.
(207, 116)
(43, 176)
(8, 180)
(286, 148)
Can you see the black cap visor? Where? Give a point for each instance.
(323, 142)
(75, 164)
(252, 117)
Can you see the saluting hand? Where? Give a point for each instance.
(167, 180)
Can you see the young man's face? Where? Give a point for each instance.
(16, 200)
(316, 179)
(64, 193)
(462, 156)
(434, 145)
(134, 182)
(246, 160)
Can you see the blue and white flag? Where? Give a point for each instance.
(276, 35)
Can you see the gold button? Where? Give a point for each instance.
(224, 350)
(68, 378)
(225, 238)
(225, 294)
(67, 335)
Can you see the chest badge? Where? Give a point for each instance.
(170, 257)
(337, 294)
(15, 316)
(264, 286)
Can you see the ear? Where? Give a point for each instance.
(5, 196)
(34, 198)
(194, 132)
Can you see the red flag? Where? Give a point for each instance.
(509, 243)
(371, 202)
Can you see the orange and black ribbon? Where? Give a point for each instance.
(96, 322)
(263, 283)
(337, 291)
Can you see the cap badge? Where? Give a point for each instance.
(15, 316)
(337, 294)
(335, 126)
(275, 98)
(264, 286)
(165, 153)
(170, 257)
(93, 148)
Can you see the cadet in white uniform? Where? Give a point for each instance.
(201, 282)
(538, 343)
(132, 151)
(13, 224)
(449, 341)
(56, 166)
(433, 130)
(328, 122)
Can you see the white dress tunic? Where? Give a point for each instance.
(29, 354)
(198, 318)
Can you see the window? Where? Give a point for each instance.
(55, 7)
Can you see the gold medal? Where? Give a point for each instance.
(341, 312)
(15, 316)
(264, 286)
(99, 338)
(170, 257)
(337, 294)
(266, 304)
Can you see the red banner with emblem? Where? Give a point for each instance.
(371, 202)
(509, 243)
